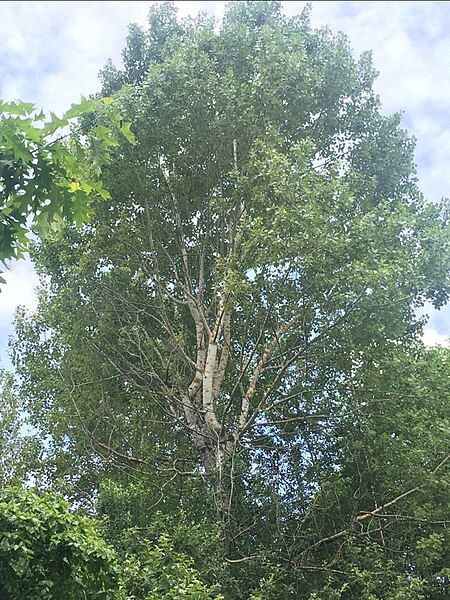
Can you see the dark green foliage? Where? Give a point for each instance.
(154, 570)
(48, 552)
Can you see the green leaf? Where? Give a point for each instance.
(17, 145)
(126, 130)
(55, 123)
(17, 107)
(76, 110)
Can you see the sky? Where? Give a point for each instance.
(53, 51)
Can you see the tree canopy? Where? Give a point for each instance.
(230, 346)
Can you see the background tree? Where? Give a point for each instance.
(217, 332)
(15, 449)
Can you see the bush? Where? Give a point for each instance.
(48, 552)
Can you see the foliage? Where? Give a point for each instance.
(128, 506)
(48, 552)
(10, 425)
(153, 570)
(378, 518)
(19, 447)
(232, 339)
(49, 166)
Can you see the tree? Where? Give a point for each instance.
(216, 328)
(47, 552)
(11, 442)
(154, 570)
(393, 456)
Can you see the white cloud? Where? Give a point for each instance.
(19, 290)
(432, 338)
(21, 281)
(55, 49)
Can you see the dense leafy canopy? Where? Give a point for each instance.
(47, 552)
(226, 361)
